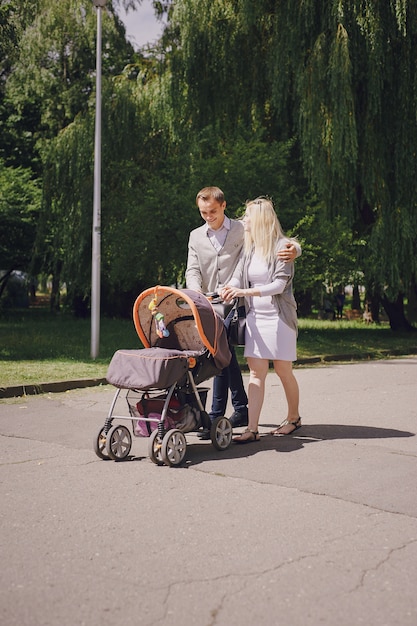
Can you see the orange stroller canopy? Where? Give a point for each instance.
(180, 319)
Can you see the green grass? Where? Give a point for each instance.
(328, 339)
(39, 347)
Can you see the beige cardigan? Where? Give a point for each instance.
(208, 269)
(284, 302)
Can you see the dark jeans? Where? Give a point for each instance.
(229, 378)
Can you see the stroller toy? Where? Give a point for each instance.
(185, 343)
(161, 329)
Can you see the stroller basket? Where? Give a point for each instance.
(181, 412)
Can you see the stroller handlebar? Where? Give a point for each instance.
(221, 307)
(215, 298)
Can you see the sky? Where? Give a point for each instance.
(142, 27)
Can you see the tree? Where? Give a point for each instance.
(330, 257)
(17, 146)
(289, 99)
(51, 83)
(55, 68)
(356, 65)
(329, 73)
(20, 199)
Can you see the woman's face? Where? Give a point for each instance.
(246, 221)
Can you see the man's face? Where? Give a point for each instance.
(212, 212)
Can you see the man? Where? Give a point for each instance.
(213, 252)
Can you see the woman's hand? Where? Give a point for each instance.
(229, 293)
(226, 293)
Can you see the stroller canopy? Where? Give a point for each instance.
(180, 319)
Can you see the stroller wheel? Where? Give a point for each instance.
(154, 448)
(221, 433)
(100, 445)
(174, 447)
(118, 442)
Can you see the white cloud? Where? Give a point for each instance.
(142, 26)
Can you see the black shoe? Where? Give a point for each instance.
(238, 419)
(204, 434)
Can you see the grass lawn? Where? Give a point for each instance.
(39, 347)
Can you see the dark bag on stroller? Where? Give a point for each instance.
(152, 408)
(237, 326)
(178, 416)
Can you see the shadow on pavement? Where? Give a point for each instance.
(342, 431)
(199, 451)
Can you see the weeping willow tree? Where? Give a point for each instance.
(234, 87)
(340, 76)
(355, 80)
(52, 78)
(55, 67)
(144, 215)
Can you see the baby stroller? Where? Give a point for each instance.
(185, 343)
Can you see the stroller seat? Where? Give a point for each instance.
(149, 368)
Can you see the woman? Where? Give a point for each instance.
(271, 317)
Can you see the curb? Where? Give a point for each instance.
(57, 387)
(67, 385)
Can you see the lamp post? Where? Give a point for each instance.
(96, 233)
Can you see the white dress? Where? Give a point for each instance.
(267, 336)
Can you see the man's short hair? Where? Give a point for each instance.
(210, 192)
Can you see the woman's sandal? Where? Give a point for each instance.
(296, 425)
(247, 437)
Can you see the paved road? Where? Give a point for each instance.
(314, 529)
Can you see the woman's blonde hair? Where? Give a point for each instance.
(265, 228)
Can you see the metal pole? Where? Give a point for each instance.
(96, 234)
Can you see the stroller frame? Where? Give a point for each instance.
(167, 445)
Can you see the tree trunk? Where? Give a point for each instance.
(356, 300)
(304, 302)
(3, 281)
(412, 301)
(395, 312)
(372, 303)
(55, 300)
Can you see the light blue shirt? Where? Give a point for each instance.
(218, 237)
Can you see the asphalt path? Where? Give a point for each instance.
(318, 528)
